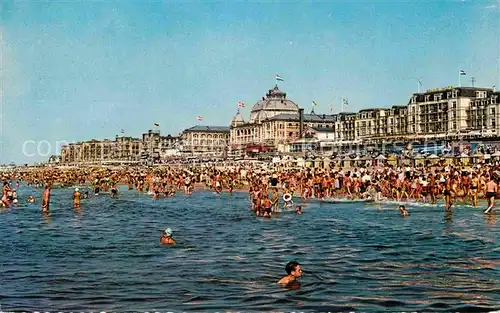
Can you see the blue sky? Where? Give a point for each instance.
(75, 71)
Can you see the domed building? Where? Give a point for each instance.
(274, 103)
(274, 124)
(266, 129)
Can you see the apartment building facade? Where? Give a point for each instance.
(205, 141)
(274, 124)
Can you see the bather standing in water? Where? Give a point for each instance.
(76, 198)
(46, 199)
(491, 193)
(5, 194)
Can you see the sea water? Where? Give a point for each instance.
(107, 256)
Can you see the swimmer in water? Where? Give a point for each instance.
(31, 199)
(166, 238)
(298, 210)
(403, 210)
(293, 271)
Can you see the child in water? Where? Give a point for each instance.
(298, 210)
(403, 211)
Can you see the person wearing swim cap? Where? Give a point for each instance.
(76, 198)
(166, 238)
(293, 271)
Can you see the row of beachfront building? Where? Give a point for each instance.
(277, 123)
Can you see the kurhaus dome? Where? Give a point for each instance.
(274, 103)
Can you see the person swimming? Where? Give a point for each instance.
(298, 210)
(293, 271)
(166, 238)
(31, 199)
(403, 210)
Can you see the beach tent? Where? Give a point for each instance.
(418, 160)
(367, 160)
(309, 162)
(433, 159)
(337, 161)
(464, 158)
(300, 162)
(318, 162)
(356, 161)
(347, 161)
(381, 159)
(477, 157)
(391, 160)
(326, 163)
(496, 155)
(449, 159)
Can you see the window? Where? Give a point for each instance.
(454, 93)
(454, 104)
(427, 97)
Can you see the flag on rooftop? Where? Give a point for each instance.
(123, 131)
(315, 104)
(156, 124)
(462, 72)
(345, 101)
(241, 104)
(279, 78)
(199, 118)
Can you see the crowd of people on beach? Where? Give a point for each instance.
(267, 188)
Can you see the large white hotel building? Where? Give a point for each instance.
(276, 122)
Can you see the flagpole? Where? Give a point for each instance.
(459, 79)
